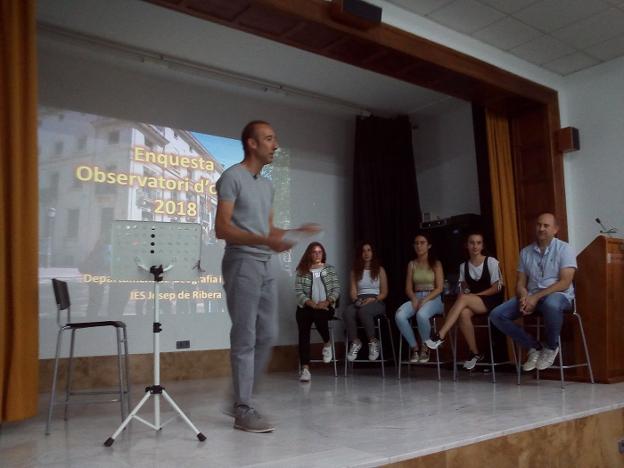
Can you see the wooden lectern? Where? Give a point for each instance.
(600, 302)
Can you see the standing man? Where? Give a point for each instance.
(544, 285)
(245, 221)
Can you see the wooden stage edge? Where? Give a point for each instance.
(590, 441)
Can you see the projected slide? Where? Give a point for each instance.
(95, 169)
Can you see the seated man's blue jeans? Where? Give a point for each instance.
(551, 307)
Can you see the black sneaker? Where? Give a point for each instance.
(472, 362)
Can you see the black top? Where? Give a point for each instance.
(476, 286)
(483, 283)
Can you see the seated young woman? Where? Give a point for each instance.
(369, 287)
(317, 289)
(424, 283)
(481, 289)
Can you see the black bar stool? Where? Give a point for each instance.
(61, 294)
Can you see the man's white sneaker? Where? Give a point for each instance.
(305, 375)
(353, 351)
(373, 350)
(547, 358)
(532, 359)
(327, 354)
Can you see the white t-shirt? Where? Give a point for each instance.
(475, 272)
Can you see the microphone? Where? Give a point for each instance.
(255, 176)
(604, 229)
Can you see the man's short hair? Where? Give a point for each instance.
(250, 132)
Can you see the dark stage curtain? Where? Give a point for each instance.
(386, 208)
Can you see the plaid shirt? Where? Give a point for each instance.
(329, 277)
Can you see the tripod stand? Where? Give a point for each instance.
(128, 235)
(155, 390)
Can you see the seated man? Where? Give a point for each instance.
(545, 272)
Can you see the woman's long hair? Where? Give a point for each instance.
(431, 255)
(306, 259)
(358, 262)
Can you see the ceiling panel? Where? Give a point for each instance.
(560, 35)
(549, 15)
(608, 50)
(509, 6)
(542, 49)
(507, 33)
(593, 30)
(421, 7)
(466, 16)
(571, 63)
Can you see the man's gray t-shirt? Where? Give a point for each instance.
(253, 200)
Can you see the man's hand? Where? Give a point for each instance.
(310, 228)
(276, 242)
(530, 302)
(522, 301)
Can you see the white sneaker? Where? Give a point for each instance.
(531, 361)
(472, 362)
(373, 350)
(435, 342)
(353, 351)
(305, 375)
(547, 358)
(327, 354)
(414, 358)
(424, 355)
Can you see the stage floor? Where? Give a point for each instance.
(361, 420)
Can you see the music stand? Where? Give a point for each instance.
(140, 249)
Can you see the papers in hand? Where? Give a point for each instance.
(294, 236)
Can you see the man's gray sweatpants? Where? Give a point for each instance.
(250, 291)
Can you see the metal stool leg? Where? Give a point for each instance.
(346, 342)
(435, 330)
(389, 325)
(70, 363)
(538, 326)
(122, 399)
(127, 372)
(333, 348)
(493, 366)
(516, 355)
(400, 357)
(381, 355)
(561, 361)
(453, 343)
(455, 353)
(587, 360)
(59, 341)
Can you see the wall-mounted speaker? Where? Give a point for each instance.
(568, 139)
(355, 13)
